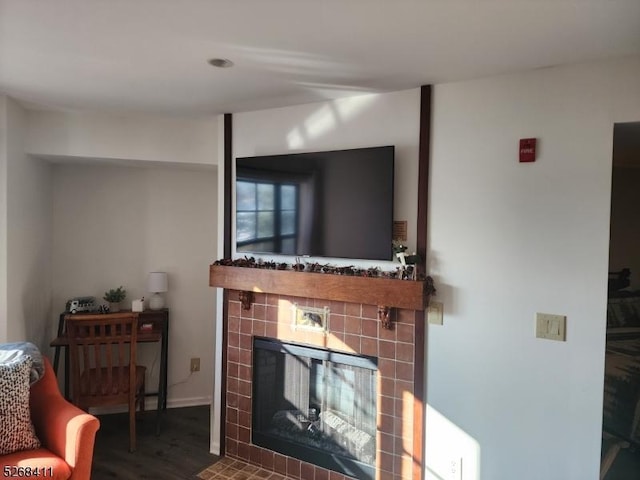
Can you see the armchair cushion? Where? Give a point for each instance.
(16, 430)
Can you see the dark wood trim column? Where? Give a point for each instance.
(421, 249)
(228, 167)
(423, 170)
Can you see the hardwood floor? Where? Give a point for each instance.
(178, 453)
(626, 466)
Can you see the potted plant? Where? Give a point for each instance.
(114, 297)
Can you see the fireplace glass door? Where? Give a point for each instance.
(316, 405)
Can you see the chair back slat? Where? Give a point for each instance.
(102, 351)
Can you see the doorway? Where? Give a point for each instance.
(620, 458)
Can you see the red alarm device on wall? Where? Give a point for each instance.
(527, 150)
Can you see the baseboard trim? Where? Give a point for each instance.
(189, 402)
(151, 404)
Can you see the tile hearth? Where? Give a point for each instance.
(228, 469)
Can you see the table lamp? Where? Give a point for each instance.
(157, 283)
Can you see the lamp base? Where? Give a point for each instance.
(156, 302)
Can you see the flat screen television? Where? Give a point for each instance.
(335, 204)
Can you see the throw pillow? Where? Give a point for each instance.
(16, 430)
(10, 352)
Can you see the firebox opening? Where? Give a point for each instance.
(316, 405)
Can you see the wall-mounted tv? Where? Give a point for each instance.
(335, 204)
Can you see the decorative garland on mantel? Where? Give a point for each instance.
(405, 272)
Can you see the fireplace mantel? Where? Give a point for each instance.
(409, 294)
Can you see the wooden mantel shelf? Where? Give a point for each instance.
(389, 292)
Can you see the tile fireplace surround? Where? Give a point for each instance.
(352, 327)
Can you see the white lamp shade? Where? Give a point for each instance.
(157, 282)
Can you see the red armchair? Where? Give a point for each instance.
(67, 435)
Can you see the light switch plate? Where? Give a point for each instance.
(435, 313)
(551, 327)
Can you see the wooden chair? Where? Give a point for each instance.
(102, 353)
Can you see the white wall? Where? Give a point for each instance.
(3, 218)
(508, 240)
(112, 225)
(28, 236)
(180, 140)
(63, 224)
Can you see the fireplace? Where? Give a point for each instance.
(392, 353)
(315, 405)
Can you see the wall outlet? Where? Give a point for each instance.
(454, 471)
(195, 364)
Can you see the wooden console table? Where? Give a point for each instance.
(159, 319)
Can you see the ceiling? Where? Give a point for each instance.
(150, 56)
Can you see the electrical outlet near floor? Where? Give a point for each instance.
(195, 364)
(454, 471)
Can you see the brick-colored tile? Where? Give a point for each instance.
(245, 357)
(404, 333)
(352, 342)
(385, 462)
(293, 467)
(321, 474)
(244, 405)
(336, 323)
(255, 454)
(233, 339)
(307, 471)
(232, 415)
(234, 308)
(404, 371)
(232, 447)
(404, 352)
(337, 307)
(370, 311)
(280, 463)
(232, 370)
(405, 316)
(353, 309)
(244, 419)
(388, 334)
(266, 459)
(233, 324)
(369, 346)
(244, 388)
(233, 354)
(370, 328)
(244, 435)
(259, 312)
(353, 325)
(232, 400)
(386, 367)
(387, 349)
(232, 385)
(246, 326)
(243, 451)
(245, 341)
(244, 371)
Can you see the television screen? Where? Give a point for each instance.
(324, 204)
